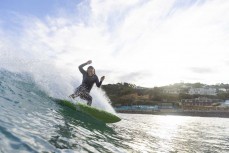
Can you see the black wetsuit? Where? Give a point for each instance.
(88, 81)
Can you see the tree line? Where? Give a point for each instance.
(130, 94)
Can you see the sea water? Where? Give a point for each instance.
(30, 121)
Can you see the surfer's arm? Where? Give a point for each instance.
(81, 68)
(82, 65)
(98, 83)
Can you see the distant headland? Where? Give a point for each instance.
(193, 99)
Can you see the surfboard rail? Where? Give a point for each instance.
(99, 114)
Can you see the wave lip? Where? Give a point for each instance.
(31, 121)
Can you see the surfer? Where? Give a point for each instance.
(89, 78)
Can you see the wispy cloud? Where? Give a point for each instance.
(163, 38)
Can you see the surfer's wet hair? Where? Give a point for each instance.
(91, 67)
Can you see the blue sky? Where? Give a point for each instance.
(11, 10)
(149, 43)
(37, 8)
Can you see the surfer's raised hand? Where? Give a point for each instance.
(89, 62)
(102, 78)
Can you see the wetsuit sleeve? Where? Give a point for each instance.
(81, 68)
(98, 83)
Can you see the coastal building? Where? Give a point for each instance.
(225, 104)
(165, 105)
(137, 108)
(201, 101)
(222, 90)
(171, 91)
(140, 88)
(202, 91)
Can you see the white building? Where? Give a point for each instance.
(222, 89)
(202, 91)
(226, 103)
(138, 87)
(171, 91)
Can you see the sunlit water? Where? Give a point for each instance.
(31, 122)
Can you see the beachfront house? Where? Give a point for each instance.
(172, 91)
(201, 101)
(225, 104)
(202, 91)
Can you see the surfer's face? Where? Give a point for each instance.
(90, 71)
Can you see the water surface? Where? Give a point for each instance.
(30, 121)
